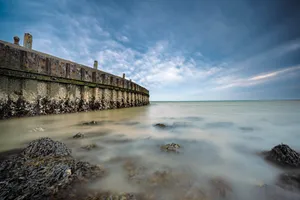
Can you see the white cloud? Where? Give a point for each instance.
(229, 82)
(122, 38)
(83, 38)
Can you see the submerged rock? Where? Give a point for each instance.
(78, 135)
(221, 188)
(290, 181)
(91, 123)
(89, 147)
(272, 192)
(42, 170)
(173, 147)
(283, 155)
(160, 125)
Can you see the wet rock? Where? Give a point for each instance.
(221, 188)
(290, 181)
(91, 123)
(89, 147)
(43, 170)
(46, 147)
(35, 178)
(195, 193)
(46, 105)
(271, 192)
(161, 178)
(173, 147)
(135, 173)
(246, 129)
(78, 135)
(88, 171)
(159, 125)
(112, 196)
(283, 155)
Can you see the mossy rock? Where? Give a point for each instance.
(173, 147)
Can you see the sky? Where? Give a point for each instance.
(179, 50)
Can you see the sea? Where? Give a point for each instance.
(219, 140)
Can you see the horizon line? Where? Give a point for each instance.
(226, 100)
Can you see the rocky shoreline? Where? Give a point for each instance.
(46, 106)
(45, 169)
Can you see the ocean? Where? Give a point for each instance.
(221, 139)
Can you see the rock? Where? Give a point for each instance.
(170, 147)
(107, 195)
(46, 147)
(89, 147)
(195, 193)
(37, 129)
(159, 125)
(289, 181)
(36, 178)
(271, 192)
(221, 188)
(161, 178)
(283, 155)
(78, 135)
(88, 171)
(91, 123)
(43, 170)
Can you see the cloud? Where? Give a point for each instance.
(229, 82)
(122, 38)
(162, 53)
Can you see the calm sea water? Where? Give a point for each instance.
(219, 139)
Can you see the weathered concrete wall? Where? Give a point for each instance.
(34, 83)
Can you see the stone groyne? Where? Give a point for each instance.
(34, 83)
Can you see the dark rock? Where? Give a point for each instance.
(91, 123)
(170, 147)
(78, 135)
(46, 147)
(290, 181)
(221, 188)
(283, 155)
(43, 170)
(271, 192)
(112, 195)
(159, 125)
(246, 128)
(88, 171)
(46, 105)
(89, 147)
(35, 178)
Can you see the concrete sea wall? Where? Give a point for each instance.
(34, 83)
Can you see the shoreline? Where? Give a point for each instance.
(134, 170)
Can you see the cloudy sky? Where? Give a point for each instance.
(179, 50)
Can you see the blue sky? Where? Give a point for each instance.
(179, 50)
